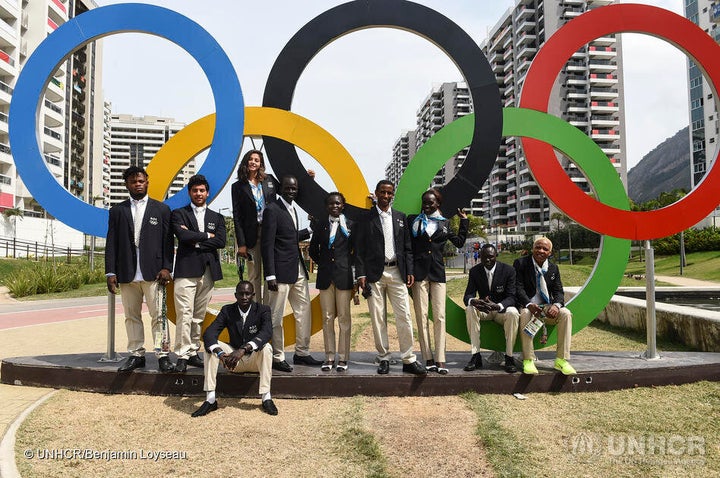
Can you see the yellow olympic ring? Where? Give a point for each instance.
(281, 124)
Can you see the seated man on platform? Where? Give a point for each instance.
(250, 327)
(494, 283)
(540, 294)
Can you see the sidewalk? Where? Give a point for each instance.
(686, 281)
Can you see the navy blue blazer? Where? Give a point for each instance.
(190, 261)
(156, 242)
(502, 289)
(280, 244)
(334, 263)
(428, 250)
(527, 282)
(245, 209)
(257, 328)
(370, 245)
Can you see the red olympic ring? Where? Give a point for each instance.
(540, 156)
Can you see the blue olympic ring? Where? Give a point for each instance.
(94, 24)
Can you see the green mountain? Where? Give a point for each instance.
(663, 169)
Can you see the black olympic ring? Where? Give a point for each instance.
(408, 16)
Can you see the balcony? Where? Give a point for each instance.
(604, 79)
(572, 12)
(52, 160)
(53, 115)
(61, 8)
(5, 93)
(604, 106)
(524, 38)
(55, 91)
(602, 66)
(526, 25)
(603, 93)
(52, 141)
(7, 64)
(604, 134)
(527, 52)
(601, 51)
(8, 34)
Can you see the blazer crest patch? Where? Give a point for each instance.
(253, 329)
(153, 221)
(211, 226)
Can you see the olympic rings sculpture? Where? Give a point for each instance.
(282, 130)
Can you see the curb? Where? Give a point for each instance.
(8, 467)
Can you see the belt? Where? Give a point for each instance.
(390, 263)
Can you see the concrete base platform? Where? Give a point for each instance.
(597, 372)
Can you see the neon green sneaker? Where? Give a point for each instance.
(564, 366)
(529, 367)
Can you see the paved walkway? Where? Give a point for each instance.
(686, 281)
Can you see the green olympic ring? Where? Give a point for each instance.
(612, 259)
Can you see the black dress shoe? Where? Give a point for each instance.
(305, 360)
(181, 365)
(414, 368)
(165, 365)
(384, 367)
(205, 408)
(131, 363)
(282, 366)
(510, 364)
(195, 361)
(475, 362)
(269, 407)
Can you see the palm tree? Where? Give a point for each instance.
(12, 214)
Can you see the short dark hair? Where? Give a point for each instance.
(133, 171)
(383, 182)
(335, 193)
(244, 282)
(287, 177)
(198, 180)
(435, 192)
(487, 245)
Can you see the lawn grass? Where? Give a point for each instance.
(659, 431)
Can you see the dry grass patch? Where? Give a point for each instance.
(588, 434)
(430, 436)
(295, 443)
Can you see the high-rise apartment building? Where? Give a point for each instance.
(70, 139)
(403, 151)
(588, 93)
(704, 123)
(133, 142)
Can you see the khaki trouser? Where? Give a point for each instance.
(299, 296)
(336, 303)
(258, 361)
(508, 319)
(132, 294)
(192, 295)
(393, 285)
(254, 272)
(564, 333)
(436, 292)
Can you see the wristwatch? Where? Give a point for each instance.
(219, 353)
(248, 349)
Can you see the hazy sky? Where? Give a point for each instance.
(366, 87)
